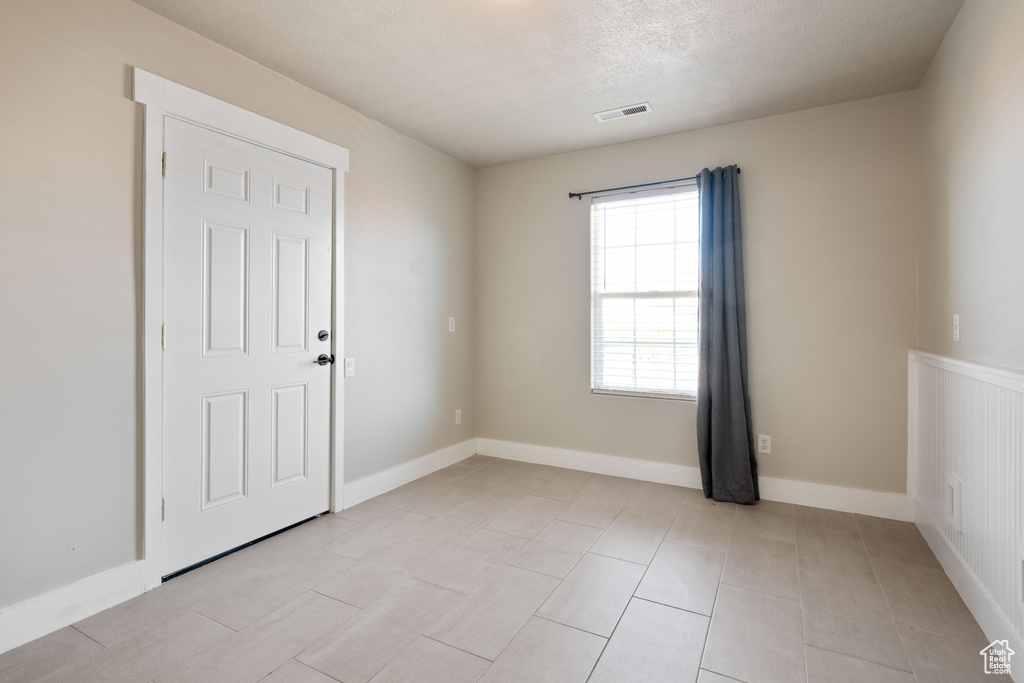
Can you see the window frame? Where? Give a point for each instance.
(668, 188)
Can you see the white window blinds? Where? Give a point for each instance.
(644, 270)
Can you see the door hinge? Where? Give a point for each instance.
(163, 336)
(163, 165)
(163, 507)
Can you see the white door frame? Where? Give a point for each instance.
(161, 99)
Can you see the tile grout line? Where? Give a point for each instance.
(584, 554)
(733, 547)
(236, 630)
(800, 574)
(520, 629)
(678, 609)
(505, 564)
(456, 647)
(714, 603)
(607, 640)
(89, 637)
(711, 617)
(803, 617)
(752, 590)
(631, 598)
(888, 606)
(604, 530)
(292, 659)
(576, 628)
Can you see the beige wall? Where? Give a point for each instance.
(70, 286)
(829, 201)
(972, 188)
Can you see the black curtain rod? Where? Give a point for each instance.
(580, 195)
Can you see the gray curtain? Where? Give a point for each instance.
(725, 438)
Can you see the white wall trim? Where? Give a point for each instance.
(382, 482)
(43, 614)
(981, 603)
(1001, 377)
(184, 103)
(162, 99)
(876, 503)
(964, 429)
(613, 465)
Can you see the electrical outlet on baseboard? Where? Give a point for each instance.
(764, 444)
(954, 502)
(1020, 563)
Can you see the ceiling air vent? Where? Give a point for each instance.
(622, 112)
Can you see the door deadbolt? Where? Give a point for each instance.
(323, 335)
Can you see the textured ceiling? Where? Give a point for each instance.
(492, 81)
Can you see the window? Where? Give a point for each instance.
(644, 269)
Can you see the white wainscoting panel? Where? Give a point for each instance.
(966, 433)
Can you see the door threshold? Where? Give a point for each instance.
(197, 565)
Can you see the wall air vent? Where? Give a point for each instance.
(622, 112)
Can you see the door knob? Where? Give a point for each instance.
(324, 359)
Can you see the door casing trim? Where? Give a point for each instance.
(163, 99)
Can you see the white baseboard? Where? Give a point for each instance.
(38, 616)
(363, 489)
(876, 503)
(861, 501)
(970, 587)
(613, 465)
(44, 614)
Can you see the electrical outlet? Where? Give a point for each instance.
(458, 417)
(956, 327)
(764, 444)
(350, 367)
(451, 324)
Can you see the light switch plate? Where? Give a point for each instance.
(350, 367)
(956, 327)
(451, 324)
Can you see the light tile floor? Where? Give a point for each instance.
(492, 570)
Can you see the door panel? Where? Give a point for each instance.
(294, 198)
(225, 452)
(291, 286)
(289, 434)
(225, 289)
(224, 181)
(247, 282)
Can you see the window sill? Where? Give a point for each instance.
(646, 394)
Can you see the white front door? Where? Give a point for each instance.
(247, 292)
